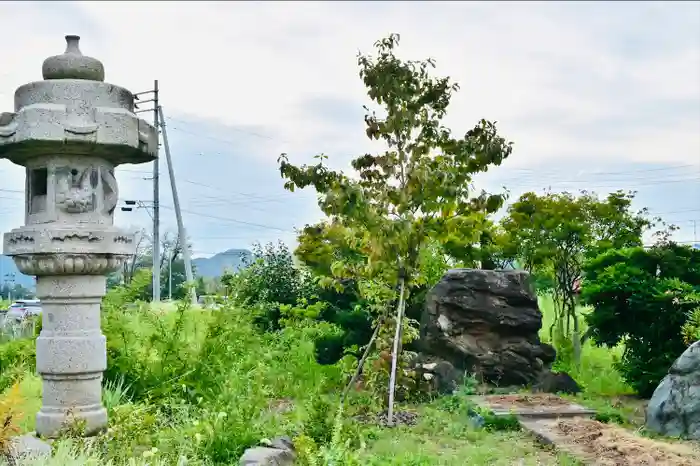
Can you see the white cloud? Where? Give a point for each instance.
(542, 70)
(258, 62)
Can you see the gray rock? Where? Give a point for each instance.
(556, 382)
(486, 322)
(435, 375)
(674, 408)
(281, 443)
(28, 446)
(265, 456)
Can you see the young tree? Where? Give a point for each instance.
(419, 188)
(556, 232)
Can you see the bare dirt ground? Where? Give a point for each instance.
(526, 401)
(611, 445)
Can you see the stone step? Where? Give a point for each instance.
(545, 414)
(558, 407)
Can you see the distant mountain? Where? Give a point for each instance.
(7, 266)
(215, 266)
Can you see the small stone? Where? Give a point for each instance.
(265, 456)
(29, 446)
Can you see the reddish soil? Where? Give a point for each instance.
(526, 401)
(611, 445)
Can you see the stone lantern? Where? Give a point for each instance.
(70, 131)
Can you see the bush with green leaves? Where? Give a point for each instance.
(691, 329)
(270, 281)
(642, 298)
(274, 285)
(16, 358)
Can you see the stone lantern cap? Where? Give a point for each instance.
(74, 112)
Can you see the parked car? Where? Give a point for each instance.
(22, 309)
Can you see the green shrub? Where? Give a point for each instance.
(16, 358)
(642, 298)
(274, 282)
(691, 328)
(609, 416)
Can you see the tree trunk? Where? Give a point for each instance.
(361, 364)
(395, 352)
(576, 335)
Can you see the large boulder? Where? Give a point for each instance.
(674, 408)
(486, 322)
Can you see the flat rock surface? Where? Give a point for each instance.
(29, 446)
(541, 406)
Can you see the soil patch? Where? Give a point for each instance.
(612, 445)
(526, 401)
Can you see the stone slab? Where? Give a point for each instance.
(545, 431)
(28, 447)
(561, 409)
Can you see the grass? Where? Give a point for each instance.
(197, 387)
(596, 371)
(604, 388)
(447, 439)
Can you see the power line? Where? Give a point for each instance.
(541, 177)
(590, 188)
(651, 213)
(226, 219)
(233, 128)
(672, 167)
(536, 171)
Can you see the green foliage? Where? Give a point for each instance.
(643, 298)
(196, 384)
(481, 417)
(482, 244)
(416, 192)
(691, 329)
(271, 281)
(420, 187)
(556, 232)
(15, 291)
(494, 423)
(609, 416)
(16, 357)
(282, 292)
(138, 289)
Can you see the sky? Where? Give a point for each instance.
(598, 96)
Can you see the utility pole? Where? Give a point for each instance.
(156, 204)
(170, 274)
(156, 193)
(10, 277)
(181, 234)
